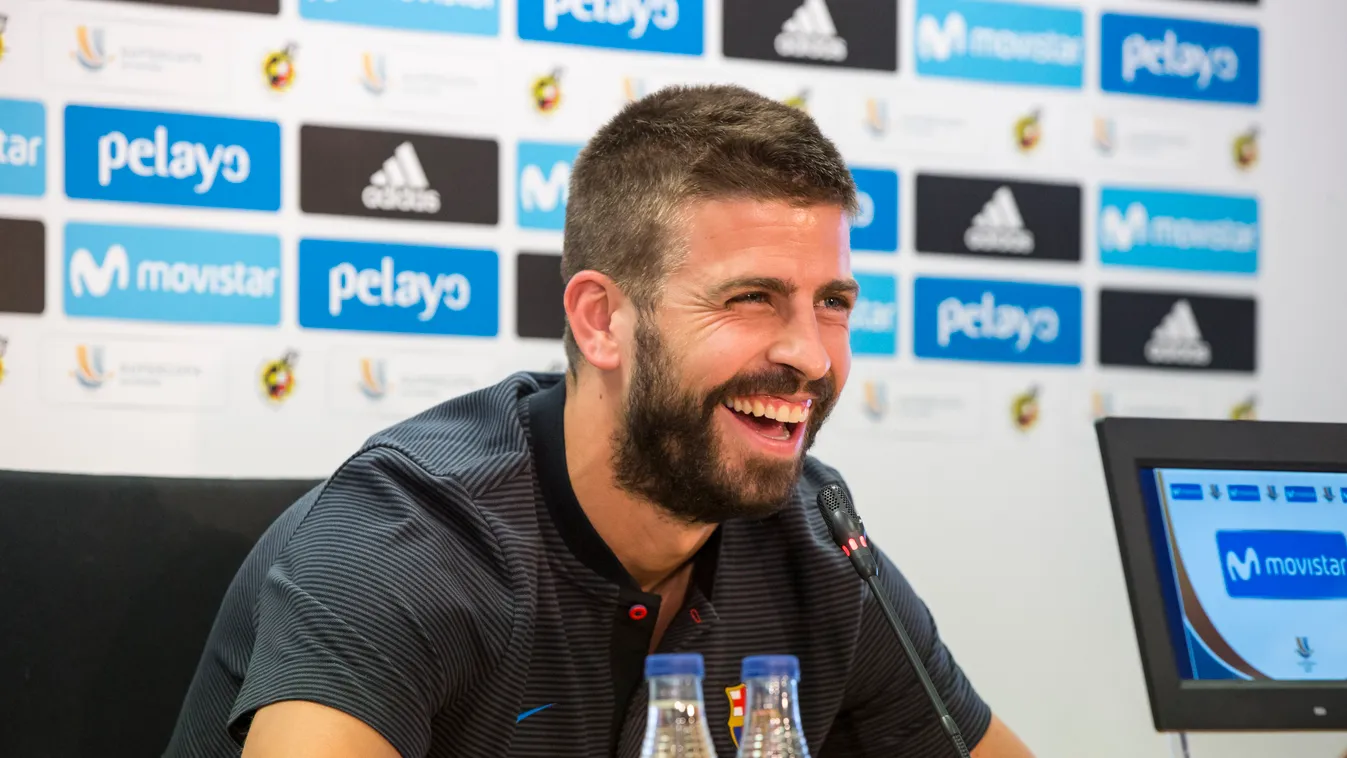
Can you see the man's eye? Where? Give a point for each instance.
(751, 297)
(837, 303)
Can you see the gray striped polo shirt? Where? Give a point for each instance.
(444, 586)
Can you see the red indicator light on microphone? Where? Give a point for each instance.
(846, 551)
(853, 544)
(863, 543)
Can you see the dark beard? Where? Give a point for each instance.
(667, 452)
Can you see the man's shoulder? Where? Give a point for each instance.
(478, 439)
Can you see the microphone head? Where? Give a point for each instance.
(838, 513)
(846, 528)
(831, 498)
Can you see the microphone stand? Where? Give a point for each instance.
(946, 720)
(848, 533)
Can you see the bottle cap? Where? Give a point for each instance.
(758, 666)
(674, 664)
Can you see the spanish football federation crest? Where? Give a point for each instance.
(736, 696)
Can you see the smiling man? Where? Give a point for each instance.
(487, 577)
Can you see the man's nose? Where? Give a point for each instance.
(801, 347)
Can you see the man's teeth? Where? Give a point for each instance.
(788, 412)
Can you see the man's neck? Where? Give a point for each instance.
(650, 545)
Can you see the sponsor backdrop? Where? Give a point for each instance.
(237, 237)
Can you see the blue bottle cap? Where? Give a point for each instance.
(674, 664)
(758, 666)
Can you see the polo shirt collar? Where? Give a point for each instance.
(548, 438)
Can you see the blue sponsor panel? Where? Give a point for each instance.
(1283, 564)
(1179, 58)
(544, 176)
(997, 321)
(1245, 493)
(1182, 231)
(23, 148)
(875, 228)
(167, 158)
(145, 273)
(1001, 42)
(458, 16)
(1185, 491)
(653, 26)
(874, 320)
(412, 289)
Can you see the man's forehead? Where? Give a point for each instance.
(763, 237)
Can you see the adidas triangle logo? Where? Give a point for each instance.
(999, 228)
(1178, 339)
(401, 185)
(810, 33)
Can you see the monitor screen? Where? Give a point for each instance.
(1253, 569)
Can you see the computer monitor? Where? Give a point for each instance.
(1233, 538)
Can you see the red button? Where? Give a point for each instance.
(637, 612)
(696, 617)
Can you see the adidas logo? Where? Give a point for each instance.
(998, 227)
(401, 185)
(809, 33)
(1178, 340)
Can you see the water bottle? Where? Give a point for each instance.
(675, 724)
(772, 726)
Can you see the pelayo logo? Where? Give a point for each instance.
(164, 158)
(996, 321)
(1004, 42)
(654, 26)
(1179, 58)
(378, 287)
(177, 275)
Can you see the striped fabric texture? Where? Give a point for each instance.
(425, 589)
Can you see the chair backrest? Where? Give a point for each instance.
(109, 586)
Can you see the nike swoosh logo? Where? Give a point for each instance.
(532, 711)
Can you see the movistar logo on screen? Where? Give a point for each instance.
(1283, 564)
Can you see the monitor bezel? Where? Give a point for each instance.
(1129, 445)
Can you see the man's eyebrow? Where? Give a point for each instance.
(769, 283)
(840, 287)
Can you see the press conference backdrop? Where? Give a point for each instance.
(239, 236)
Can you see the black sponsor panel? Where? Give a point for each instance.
(998, 218)
(403, 175)
(846, 33)
(23, 267)
(538, 291)
(1176, 330)
(272, 7)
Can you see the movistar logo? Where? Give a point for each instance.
(1242, 569)
(539, 191)
(1284, 565)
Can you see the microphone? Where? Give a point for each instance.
(848, 532)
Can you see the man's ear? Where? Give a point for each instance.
(592, 302)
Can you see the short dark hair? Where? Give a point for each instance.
(686, 143)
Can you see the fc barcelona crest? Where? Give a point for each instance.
(736, 695)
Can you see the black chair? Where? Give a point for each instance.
(109, 586)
